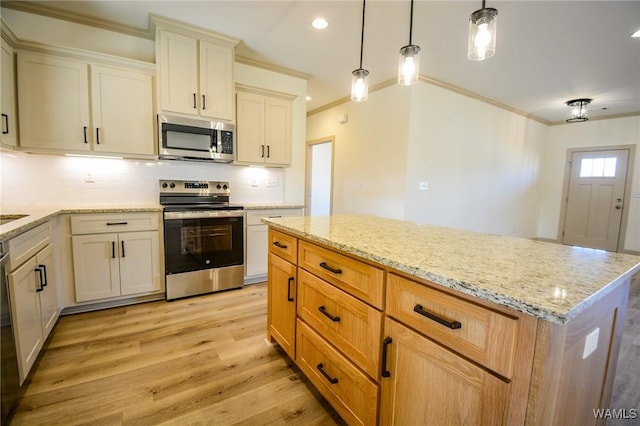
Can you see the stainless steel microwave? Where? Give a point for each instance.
(181, 138)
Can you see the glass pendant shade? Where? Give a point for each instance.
(359, 85)
(482, 34)
(578, 110)
(409, 65)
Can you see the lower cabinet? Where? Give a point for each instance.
(282, 296)
(33, 296)
(114, 264)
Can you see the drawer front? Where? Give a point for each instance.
(113, 222)
(254, 216)
(283, 245)
(363, 281)
(349, 324)
(485, 336)
(350, 391)
(27, 244)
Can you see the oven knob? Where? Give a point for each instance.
(172, 185)
(164, 185)
(219, 186)
(224, 187)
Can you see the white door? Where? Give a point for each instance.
(96, 266)
(216, 81)
(139, 265)
(178, 72)
(250, 128)
(277, 134)
(319, 177)
(595, 199)
(48, 295)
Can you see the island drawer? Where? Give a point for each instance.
(350, 325)
(350, 391)
(113, 222)
(483, 335)
(357, 278)
(283, 245)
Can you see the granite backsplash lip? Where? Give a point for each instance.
(37, 215)
(550, 281)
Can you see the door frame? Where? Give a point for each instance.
(627, 189)
(307, 172)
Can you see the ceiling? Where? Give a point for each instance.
(547, 52)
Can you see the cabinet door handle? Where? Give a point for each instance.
(6, 124)
(262, 152)
(194, 101)
(452, 325)
(289, 282)
(44, 268)
(85, 134)
(204, 103)
(113, 249)
(122, 244)
(385, 347)
(332, 380)
(98, 135)
(279, 245)
(330, 269)
(324, 312)
(268, 151)
(40, 287)
(116, 223)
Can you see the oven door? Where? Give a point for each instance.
(203, 240)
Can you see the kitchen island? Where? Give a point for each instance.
(396, 322)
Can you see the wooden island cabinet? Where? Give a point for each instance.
(420, 336)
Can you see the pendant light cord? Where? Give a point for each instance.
(364, 2)
(411, 23)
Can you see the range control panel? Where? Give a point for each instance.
(168, 187)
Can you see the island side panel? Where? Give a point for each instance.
(566, 388)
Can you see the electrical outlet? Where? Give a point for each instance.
(590, 343)
(88, 178)
(254, 182)
(272, 182)
(423, 186)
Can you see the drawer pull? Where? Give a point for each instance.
(44, 269)
(324, 312)
(385, 344)
(113, 249)
(330, 269)
(41, 286)
(280, 245)
(452, 325)
(332, 380)
(116, 223)
(289, 281)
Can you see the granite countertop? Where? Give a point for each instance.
(266, 206)
(37, 215)
(550, 281)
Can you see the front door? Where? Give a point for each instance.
(595, 198)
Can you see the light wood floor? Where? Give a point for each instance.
(196, 361)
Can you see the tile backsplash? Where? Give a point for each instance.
(30, 179)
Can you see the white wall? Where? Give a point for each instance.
(370, 152)
(612, 132)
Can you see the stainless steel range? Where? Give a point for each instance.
(203, 238)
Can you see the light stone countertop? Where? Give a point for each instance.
(37, 215)
(267, 206)
(550, 281)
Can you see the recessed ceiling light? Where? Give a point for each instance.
(636, 34)
(320, 23)
(308, 98)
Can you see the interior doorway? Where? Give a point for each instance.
(595, 196)
(319, 173)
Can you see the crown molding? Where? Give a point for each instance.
(43, 9)
(601, 117)
(272, 67)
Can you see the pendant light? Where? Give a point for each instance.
(360, 76)
(409, 65)
(578, 110)
(482, 33)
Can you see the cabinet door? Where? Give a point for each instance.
(48, 296)
(122, 108)
(281, 286)
(257, 236)
(95, 266)
(177, 58)
(216, 81)
(9, 122)
(430, 385)
(139, 262)
(25, 311)
(278, 131)
(53, 103)
(250, 144)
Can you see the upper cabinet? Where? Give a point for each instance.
(195, 70)
(68, 104)
(263, 127)
(9, 122)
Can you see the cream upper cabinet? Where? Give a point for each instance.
(263, 128)
(56, 114)
(9, 123)
(195, 76)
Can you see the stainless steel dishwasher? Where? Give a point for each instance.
(10, 381)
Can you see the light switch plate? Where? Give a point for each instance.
(423, 186)
(590, 343)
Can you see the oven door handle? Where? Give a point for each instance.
(203, 214)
